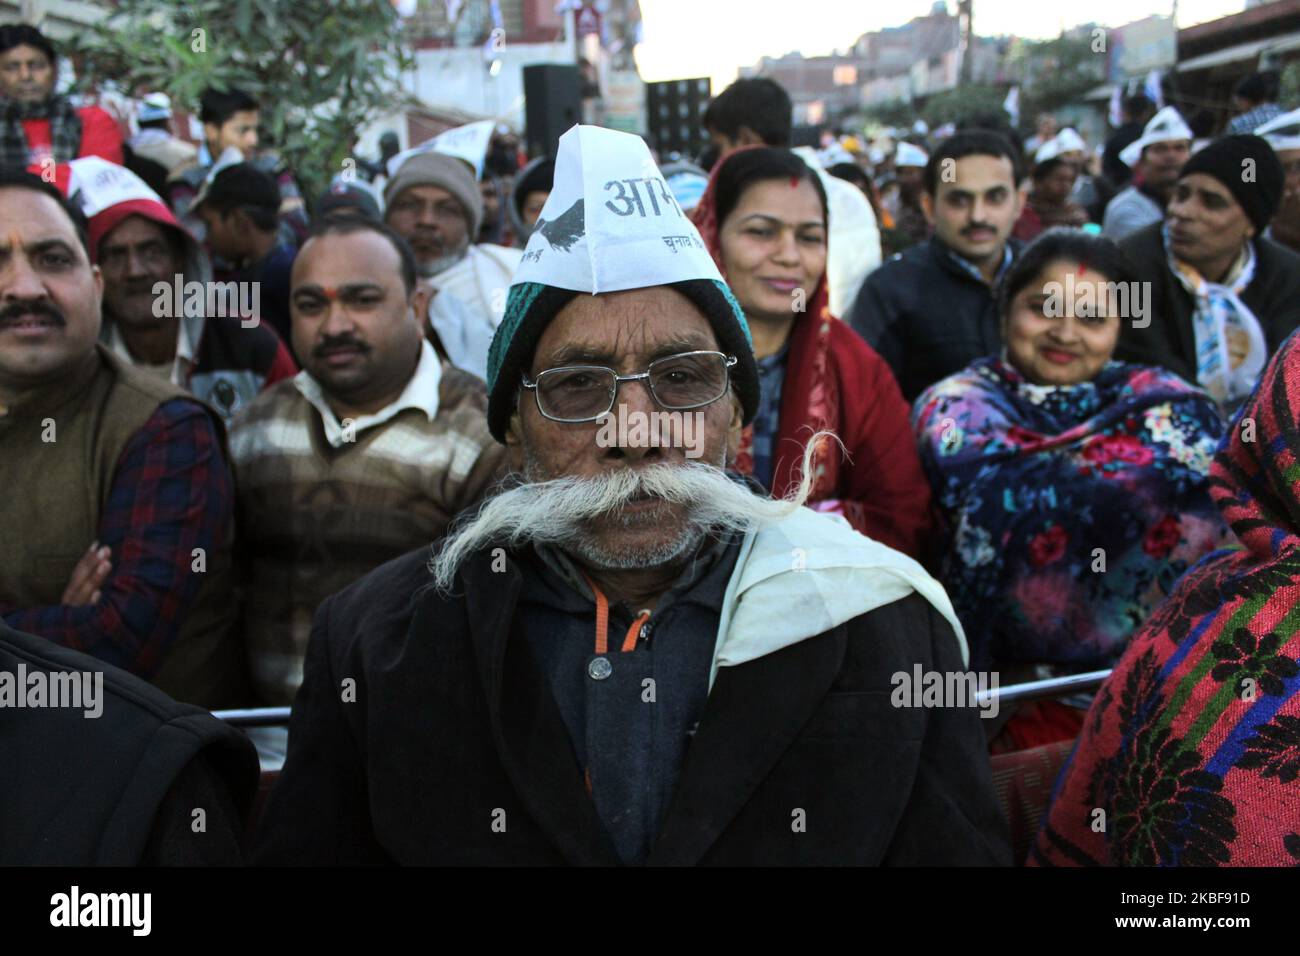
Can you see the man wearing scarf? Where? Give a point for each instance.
(629, 657)
(40, 126)
(1223, 297)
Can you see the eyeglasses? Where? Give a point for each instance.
(585, 393)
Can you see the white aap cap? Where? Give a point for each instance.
(1049, 150)
(154, 106)
(1166, 126)
(95, 184)
(611, 222)
(1282, 132)
(1070, 141)
(909, 154)
(469, 142)
(1066, 141)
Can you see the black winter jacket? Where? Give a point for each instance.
(452, 750)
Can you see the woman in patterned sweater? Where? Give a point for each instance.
(1191, 752)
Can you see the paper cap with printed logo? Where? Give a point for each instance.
(610, 224)
(469, 143)
(1166, 126)
(107, 193)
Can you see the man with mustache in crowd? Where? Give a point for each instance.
(630, 656)
(368, 452)
(1223, 297)
(117, 537)
(929, 311)
(209, 347)
(434, 203)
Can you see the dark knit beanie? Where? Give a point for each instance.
(1256, 185)
(531, 306)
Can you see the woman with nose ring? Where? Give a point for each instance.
(1073, 488)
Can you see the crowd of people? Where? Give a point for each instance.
(966, 404)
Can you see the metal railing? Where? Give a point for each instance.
(1043, 689)
(254, 716)
(1011, 694)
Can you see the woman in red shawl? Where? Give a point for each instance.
(764, 218)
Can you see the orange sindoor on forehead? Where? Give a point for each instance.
(330, 292)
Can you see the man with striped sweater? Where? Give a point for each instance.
(363, 456)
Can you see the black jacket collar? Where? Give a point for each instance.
(752, 715)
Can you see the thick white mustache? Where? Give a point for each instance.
(555, 511)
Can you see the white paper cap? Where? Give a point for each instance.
(910, 155)
(1166, 126)
(1070, 141)
(96, 184)
(469, 142)
(611, 223)
(1282, 132)
(1049, 150)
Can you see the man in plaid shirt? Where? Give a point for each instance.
(116, 532)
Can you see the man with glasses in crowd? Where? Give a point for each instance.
(364, 455)
(630, 656)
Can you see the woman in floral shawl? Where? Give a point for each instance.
(1191, 753)
(1073, 486)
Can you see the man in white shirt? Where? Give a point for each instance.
(433, 202)
(365, 455)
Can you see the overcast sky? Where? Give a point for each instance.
(685, 38)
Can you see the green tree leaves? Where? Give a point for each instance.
(320, 68)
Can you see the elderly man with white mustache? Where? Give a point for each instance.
(627, 656)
